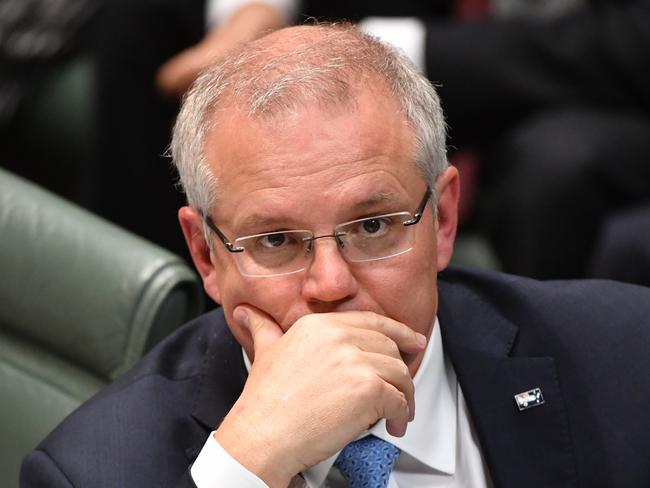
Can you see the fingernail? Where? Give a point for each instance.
(241, 316)
(421, 340)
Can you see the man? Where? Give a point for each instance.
(321, 208)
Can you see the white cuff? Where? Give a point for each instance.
(218, 11)
(215, 468)
(406, 33)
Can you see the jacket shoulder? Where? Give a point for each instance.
(137, 430)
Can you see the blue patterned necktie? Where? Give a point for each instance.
(367, 463)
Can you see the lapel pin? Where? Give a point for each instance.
(529, 399)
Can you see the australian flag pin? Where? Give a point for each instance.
(529, 399)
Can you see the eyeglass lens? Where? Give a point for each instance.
(286, 252)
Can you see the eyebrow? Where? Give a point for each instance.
(260, 220)
(377, 198)
(263, 220)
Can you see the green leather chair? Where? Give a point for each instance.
(80, 301)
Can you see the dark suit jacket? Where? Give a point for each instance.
(585, 344)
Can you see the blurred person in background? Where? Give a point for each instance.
(148, 54)
(622, 250)
(38, 39)
(552, 95)
(561, 110)
(134, 179)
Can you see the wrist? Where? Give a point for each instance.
(256, 450)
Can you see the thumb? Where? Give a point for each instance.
(263, 329)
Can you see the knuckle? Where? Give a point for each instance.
(308, 321)
(336, 335)
(370, 385)
(404, 370)
(375, 384)
(403, 402)
(350, 356)
(396, 404)
(393, 349)
(379, 323)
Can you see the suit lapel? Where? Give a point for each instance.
(532, 447)
(223, 375)
(522, 448)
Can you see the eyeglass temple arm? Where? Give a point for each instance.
(423, 204)
(226, 242)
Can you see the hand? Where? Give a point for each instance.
(178, 73)
(315, 388)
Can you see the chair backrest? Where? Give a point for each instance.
(80, 301)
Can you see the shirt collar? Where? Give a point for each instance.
(431, 436)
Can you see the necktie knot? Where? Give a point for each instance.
(367, 463)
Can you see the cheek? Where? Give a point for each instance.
(424, 283)
(405, 290)
(418, 283)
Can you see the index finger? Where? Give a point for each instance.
(407, 340)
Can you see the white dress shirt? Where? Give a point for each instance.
(408, 34)
(219, 11)
(439, 448)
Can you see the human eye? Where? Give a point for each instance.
(373, 227)
(275, 241)
(272, 241)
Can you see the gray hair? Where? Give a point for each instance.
(266, 78)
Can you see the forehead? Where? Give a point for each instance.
(335, 156)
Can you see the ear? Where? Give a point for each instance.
(448, 190)
(192, 225)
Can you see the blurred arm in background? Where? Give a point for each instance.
(244, 20)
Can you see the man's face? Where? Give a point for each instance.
(313, 169)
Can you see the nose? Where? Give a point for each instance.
(328, 279)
